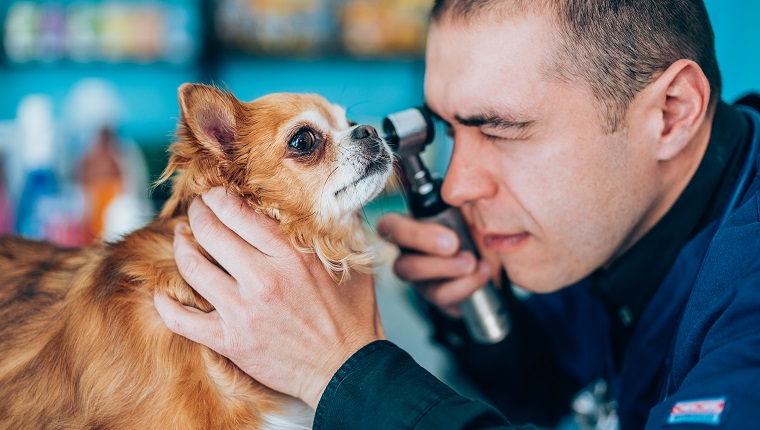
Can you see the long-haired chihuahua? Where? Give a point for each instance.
(81, 344)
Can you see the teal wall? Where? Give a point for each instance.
(737, 43)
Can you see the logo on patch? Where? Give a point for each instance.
(704, 411)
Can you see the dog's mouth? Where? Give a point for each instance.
(377, 166)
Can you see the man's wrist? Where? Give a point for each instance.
(328, 391)
(314, 387)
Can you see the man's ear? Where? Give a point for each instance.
(682, 96)
(210, 115)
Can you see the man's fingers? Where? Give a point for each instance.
(452, 311)
(421, 268)
(230, 250)
(451, 294)
(206, 278)
(191, 323)
(427, 238)
(257, 229)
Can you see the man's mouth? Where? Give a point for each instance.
(505, 242)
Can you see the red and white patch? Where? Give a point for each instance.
(705, 411)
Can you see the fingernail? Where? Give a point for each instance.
(446, 243)
(216, 192)
(485, 268)
(466, 262)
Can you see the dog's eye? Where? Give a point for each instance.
(304, 141)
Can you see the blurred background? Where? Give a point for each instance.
(88, 101)
(89, 89)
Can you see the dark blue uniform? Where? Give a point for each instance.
(673, 327)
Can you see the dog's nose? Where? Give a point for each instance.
(363, 132)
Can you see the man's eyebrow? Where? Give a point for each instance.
(491, 117)
(498, 120)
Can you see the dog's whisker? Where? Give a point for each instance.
(324, 185)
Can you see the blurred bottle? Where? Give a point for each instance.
(21, 32)
(82, 32)
(101, 178)
(52, 31)
(115, 32)
(384, 27)
(181, 27)
(277, 27)
(47, 207)
(109, 170)
(148, 36)
(36, 129)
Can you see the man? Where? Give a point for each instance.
(596, 162)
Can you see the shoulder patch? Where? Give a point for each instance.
(703, 411)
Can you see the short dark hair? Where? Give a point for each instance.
(617, 47)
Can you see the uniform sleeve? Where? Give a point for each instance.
(382, 387)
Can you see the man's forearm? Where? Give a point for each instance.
(382, 387)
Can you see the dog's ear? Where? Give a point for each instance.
(210, 116)
(204, 153)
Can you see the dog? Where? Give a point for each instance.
(81, 344)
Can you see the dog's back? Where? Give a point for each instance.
(35, 280)
(83, 347)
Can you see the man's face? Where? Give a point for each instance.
(548, 189)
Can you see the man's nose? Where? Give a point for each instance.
(467, 178)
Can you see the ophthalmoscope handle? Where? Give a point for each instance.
(482, 312)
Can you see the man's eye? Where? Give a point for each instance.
(304, 141)
(507, 136)
(492, 137)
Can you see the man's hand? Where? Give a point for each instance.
(430, 261)
(279, 316)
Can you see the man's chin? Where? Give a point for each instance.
(537, 280)
(536, 288)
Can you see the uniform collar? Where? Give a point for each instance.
(628, 284)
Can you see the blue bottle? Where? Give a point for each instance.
(36, 132)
